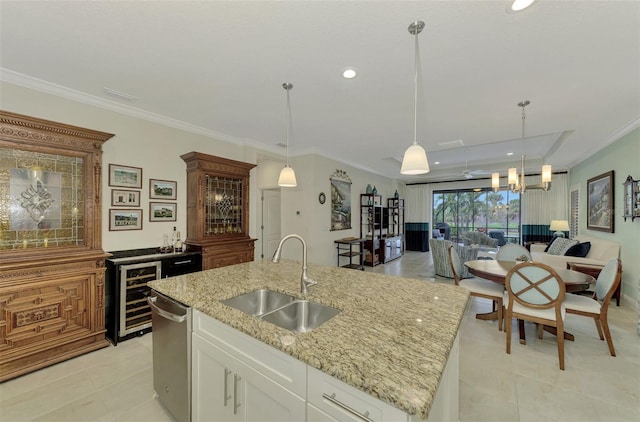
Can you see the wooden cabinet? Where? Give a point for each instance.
(218, 209)
(237, 378)
(631, 199)
(51, 261)
(371, 227)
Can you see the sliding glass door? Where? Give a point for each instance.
(480, 210)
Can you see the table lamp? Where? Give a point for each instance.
(559, 226)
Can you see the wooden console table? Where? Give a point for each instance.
(346, 249)
(594, 271)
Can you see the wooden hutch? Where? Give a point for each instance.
(51, 260)
(218, 209)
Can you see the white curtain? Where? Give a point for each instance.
(540, 207)
(417, 205)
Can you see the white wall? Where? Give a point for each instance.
(303, 214)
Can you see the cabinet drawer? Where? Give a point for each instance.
(345, 403)
(280, 367)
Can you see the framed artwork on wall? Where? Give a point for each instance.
(162, 189)
(121, 219)
(125, 176)
(600, 205)
(125, 198)
(162, 211)
(340, 201)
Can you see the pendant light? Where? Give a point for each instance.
(415, 157)
(287, 177)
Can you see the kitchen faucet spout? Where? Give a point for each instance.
(305, 280)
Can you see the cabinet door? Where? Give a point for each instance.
(262, 399)
(316, 415)
(212, 382)
(225, 389)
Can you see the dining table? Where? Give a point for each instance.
(496, 271)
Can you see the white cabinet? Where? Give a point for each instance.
(225, 389)
(238, 378)
(226, 384)
(343, 402)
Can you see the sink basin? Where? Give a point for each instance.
(259, 302)
(301, 316)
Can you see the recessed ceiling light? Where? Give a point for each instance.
(509, 153)
(437, 162)
(349, 73)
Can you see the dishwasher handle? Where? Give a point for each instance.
(161, 312)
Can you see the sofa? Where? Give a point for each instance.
(600, 252)
(440, 255)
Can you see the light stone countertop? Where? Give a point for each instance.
(391, 339)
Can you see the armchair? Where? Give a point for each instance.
(440, 254)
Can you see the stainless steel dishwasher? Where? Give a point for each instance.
(171, 354)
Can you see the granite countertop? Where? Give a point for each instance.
(391, 340)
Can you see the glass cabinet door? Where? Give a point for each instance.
(223, 205)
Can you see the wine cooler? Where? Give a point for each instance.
(135, 313)
(127, 312)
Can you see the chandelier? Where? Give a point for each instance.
(516, 181)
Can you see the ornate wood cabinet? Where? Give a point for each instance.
(218, 209)
(51, 260)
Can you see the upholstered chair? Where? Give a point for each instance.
(511, 251)
(476, 238)
(476, 286)
(440, 254)
(597, 307)
(535, 292)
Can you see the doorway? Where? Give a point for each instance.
(270, 224)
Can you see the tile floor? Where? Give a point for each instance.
(115, 383)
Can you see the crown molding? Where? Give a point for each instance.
(40, 85)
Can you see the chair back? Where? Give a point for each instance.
(535, 285)
(609, 279)
(511, 251)
(456, 264)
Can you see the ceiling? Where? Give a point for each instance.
(217, 67)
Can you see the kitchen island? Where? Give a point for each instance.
(391, 340)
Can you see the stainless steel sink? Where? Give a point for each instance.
(283, 310)
(301, 316)
(259, 302)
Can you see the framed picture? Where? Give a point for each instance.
(600, 203)
(125, 176)
(162, 211)
(129, 219)
(162, 189)
(340, 200)
(125, 198)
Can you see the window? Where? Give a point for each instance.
(484, 211)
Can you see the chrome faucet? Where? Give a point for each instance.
(305, 280)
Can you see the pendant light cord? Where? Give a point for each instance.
(287, 128)
(415, 93)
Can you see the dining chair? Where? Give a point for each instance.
(535, 293)
(511, 251)
(476, 286)
(597, 306)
